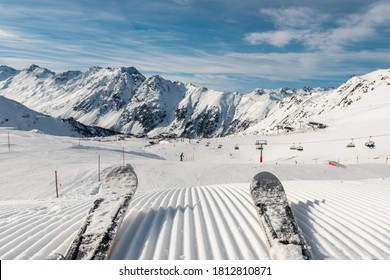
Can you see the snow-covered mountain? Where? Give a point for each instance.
(16, 115)
(6, 72)
(359, 100)
(124, 100)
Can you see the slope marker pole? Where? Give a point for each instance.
(56, 177)
(98, 168)
(123, 156)
(9, 143)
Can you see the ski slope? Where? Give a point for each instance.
(196, 209)
(211, 222)
(34, 229)
(219, 222)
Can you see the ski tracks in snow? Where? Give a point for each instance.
(208, 222)
(343, 221)
(37, 229)
(340, 220)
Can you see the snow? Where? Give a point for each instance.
(201, 208)
(286, 252)
(15, 115)
(122, 99)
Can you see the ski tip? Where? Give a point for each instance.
(122, 169)
(265, 176)
(266, 180)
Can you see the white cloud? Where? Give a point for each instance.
(276, 38)
(378, 14)
(324, 59)
(229, 71)
(295, 17)
(4, 34)
(313, 29)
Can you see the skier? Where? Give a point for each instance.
(181, 157)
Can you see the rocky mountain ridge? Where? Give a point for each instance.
(124, 100)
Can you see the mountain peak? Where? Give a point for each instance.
(5, 67)
(93, 70)
(6, 72)
(122, 99)
(130, 70)
(39, 72)
(258, 91)
(66, 76)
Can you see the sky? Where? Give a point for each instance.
(230, 45)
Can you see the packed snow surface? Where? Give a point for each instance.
(199, 208)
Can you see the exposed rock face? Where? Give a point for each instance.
(123, 100)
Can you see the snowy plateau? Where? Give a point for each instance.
(337, 182)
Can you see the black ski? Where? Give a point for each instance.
(284, 237)
(96, 235)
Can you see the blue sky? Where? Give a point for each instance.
(235, 45)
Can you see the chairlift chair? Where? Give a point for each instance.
(351, 144)
(300, 148)
(370, 144)
(236, 147)
(293, 147)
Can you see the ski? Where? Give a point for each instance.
(96, 235)
(285, 240)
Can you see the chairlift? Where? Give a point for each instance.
(219, 146)
(370, 144)
(351, 144)
(236, 147)
(293, 147)
(260, 142)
